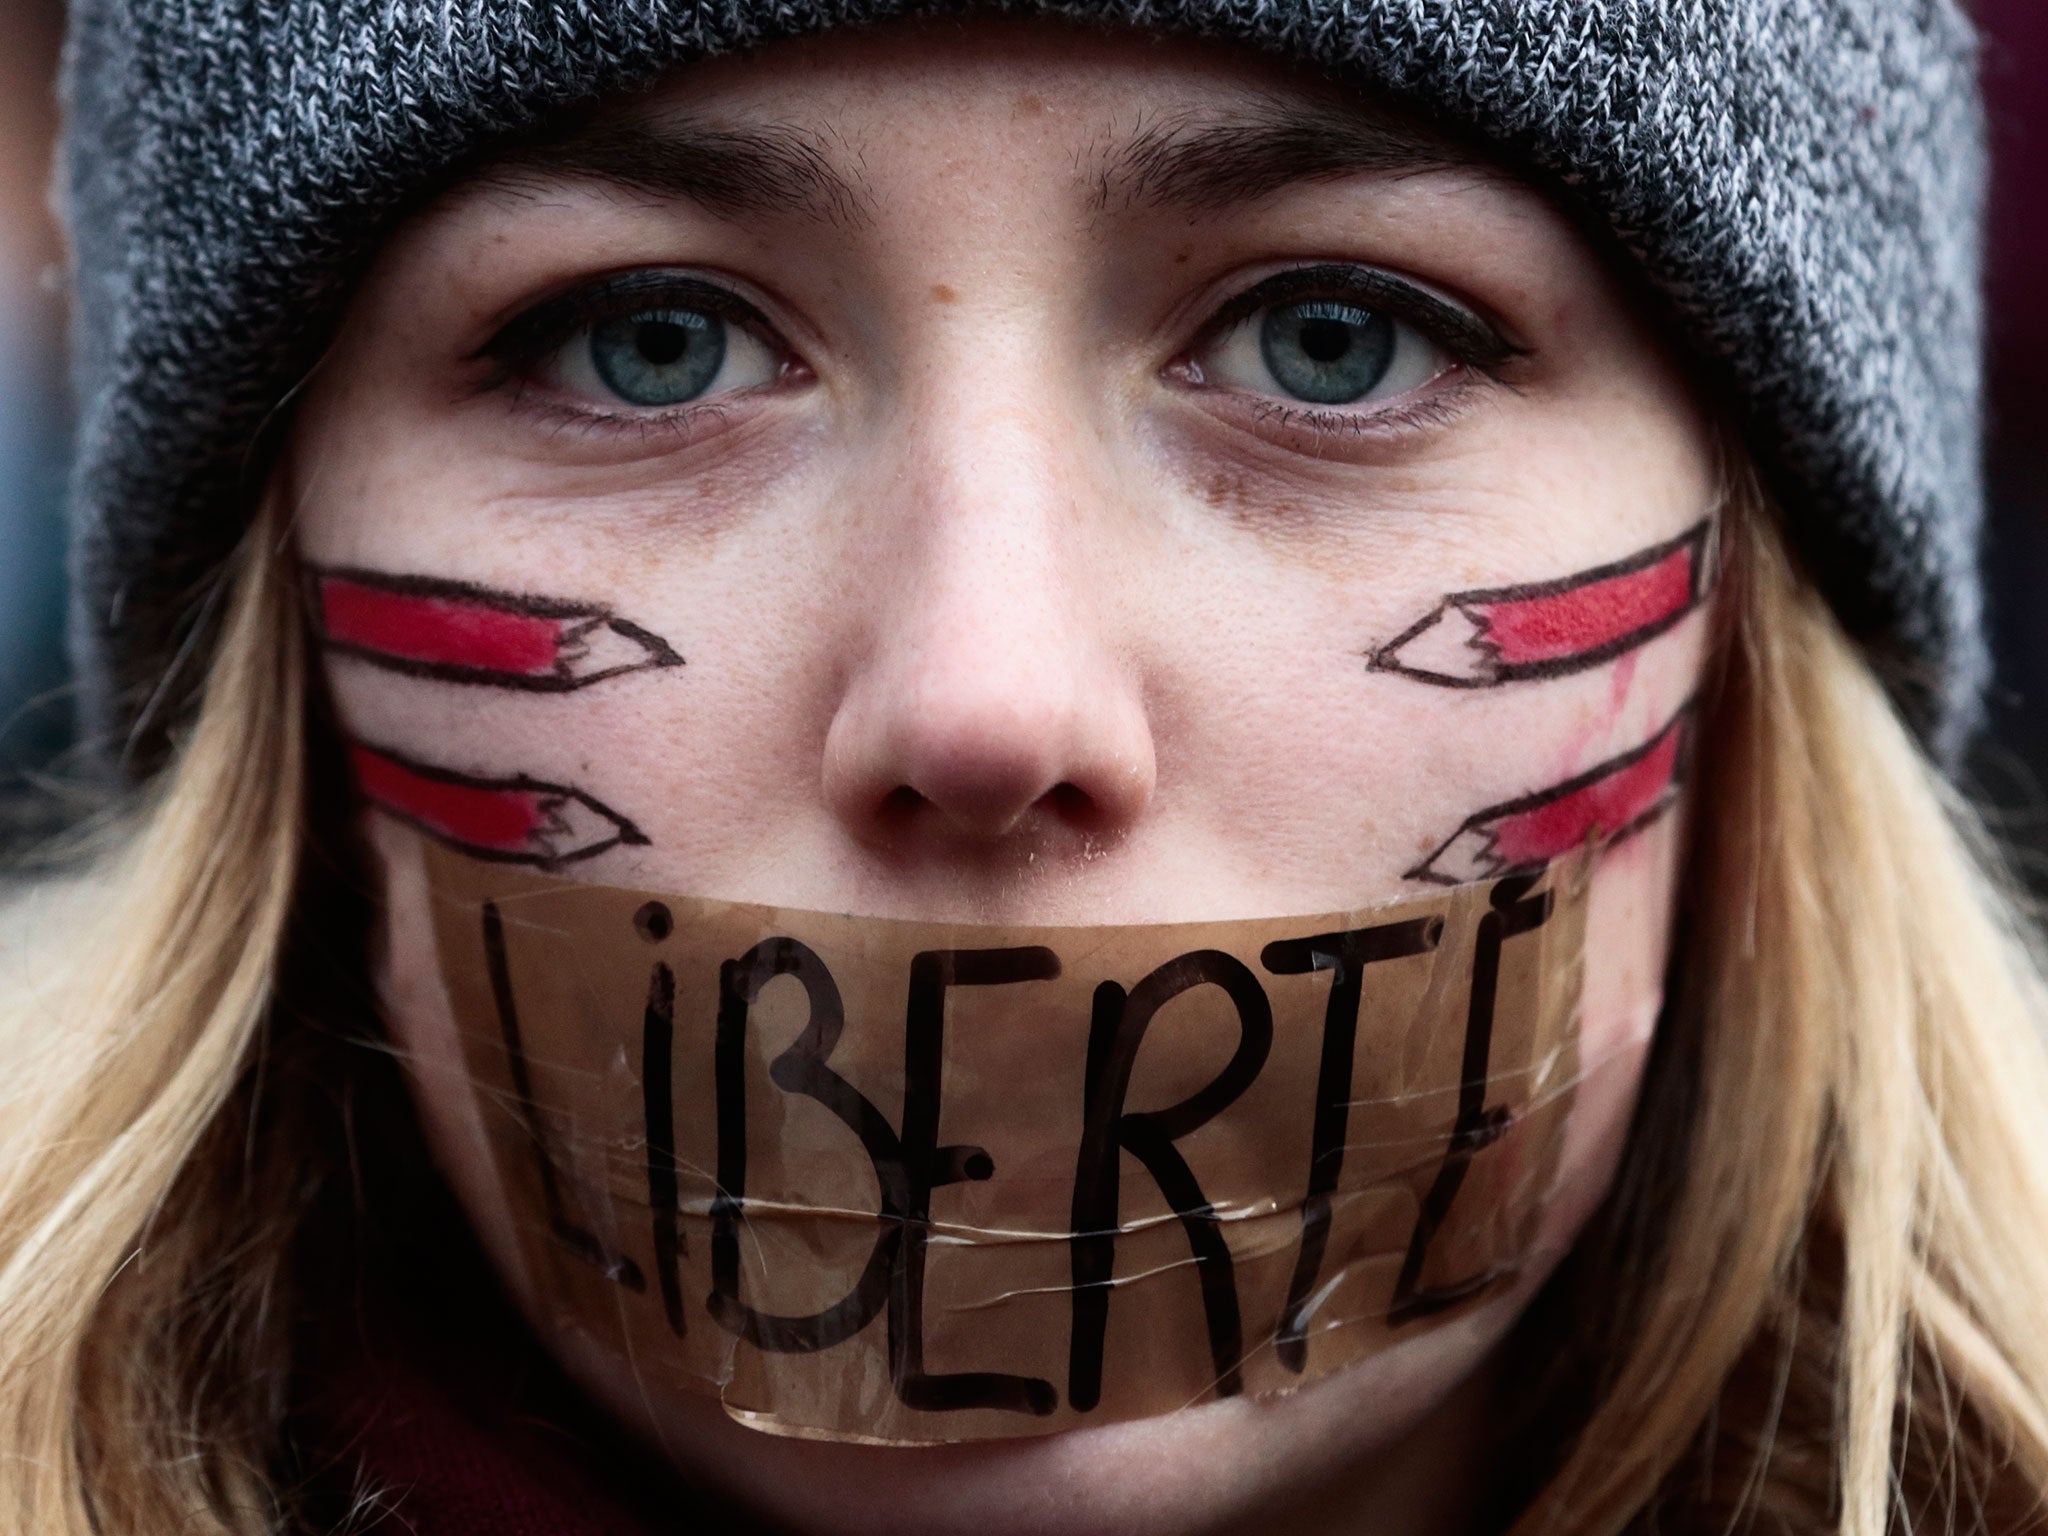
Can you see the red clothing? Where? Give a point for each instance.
(456, 1438)
(430, 1467)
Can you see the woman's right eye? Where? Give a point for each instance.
(646, 341)
(655, 359)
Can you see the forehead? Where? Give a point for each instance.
(823, 126)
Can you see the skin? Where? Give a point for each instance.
(1009, 596)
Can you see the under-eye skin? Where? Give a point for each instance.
(638, 349)
(1336, 348)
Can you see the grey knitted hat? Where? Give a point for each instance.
(1799, 180)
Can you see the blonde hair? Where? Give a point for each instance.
(131, 1026)
(1826, 1265)
(1812, 1301)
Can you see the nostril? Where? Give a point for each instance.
(901, 804)
(1066, 803)
(1072, 804)
(924, 765)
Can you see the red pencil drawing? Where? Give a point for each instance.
(458, 632)
(1495, 635)
(1607, 803)
(512, 821)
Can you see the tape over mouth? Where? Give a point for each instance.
(910, 1183)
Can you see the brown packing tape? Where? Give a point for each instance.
(902, 1182)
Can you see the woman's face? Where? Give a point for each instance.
(1038, 447)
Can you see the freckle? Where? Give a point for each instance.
(944, 295)
(1029, 105)
(1226, 487)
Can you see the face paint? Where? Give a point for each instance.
(1490, 636)
(1603, 805)
(516, 820)
(427, 627)
(885, 1181)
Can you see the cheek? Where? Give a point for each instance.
(1627, 954)
(429, 1044)
(1354, 741)
(1405, 759)
(581, 680)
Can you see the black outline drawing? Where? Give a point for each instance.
(585, 625)
(1490, 672)
(556, 805)
(1477, 823)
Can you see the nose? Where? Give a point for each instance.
(992, 699)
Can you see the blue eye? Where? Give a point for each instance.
(659, 353)
(1327, 353)
(659, 357)
(1341, 348)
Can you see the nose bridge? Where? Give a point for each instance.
(1004, 489)
(997, 521)
(991, 694)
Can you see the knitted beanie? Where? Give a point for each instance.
(1798, 181)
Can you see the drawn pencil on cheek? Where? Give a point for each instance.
(509, 821)
(1494, 635)
(458, 632)
(1610, 801)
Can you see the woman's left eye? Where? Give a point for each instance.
(1322, 352)
(657, 358)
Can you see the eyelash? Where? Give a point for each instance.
(1478, 350)
(1467, 337)
(517, 352)
(1440, 409)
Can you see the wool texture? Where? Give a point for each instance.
(1799, 184)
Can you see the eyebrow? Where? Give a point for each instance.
(1192, 162)
(1205, 164)
(770, 168)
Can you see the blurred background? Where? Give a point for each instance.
(2008, 769)
(35, 707)
(2011, 764)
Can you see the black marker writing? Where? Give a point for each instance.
(907, 1168)
(932, 971)
(1115, 1033)
(657, 1088)
(576, 1238)
(1345, 956)
(800, 1069)
(1514, 912)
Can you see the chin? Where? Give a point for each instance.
(1366, 1431)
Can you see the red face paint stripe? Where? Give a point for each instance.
(1605, 806)
(519, 820)
(438, 631)
(456, 632)
(501, 820)
(1562, 625)
(1490, 636)
(1608, 802)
